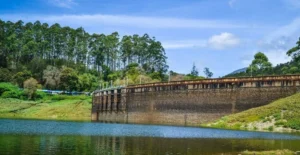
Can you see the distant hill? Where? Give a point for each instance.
(238, 71)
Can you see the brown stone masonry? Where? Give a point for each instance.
(189, 102)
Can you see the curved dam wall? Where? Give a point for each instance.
(189, 102)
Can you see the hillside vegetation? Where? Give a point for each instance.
(74, 60)
(65, 109)
(280, 115)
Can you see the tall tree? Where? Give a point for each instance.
(194, 71)
(295, 51)
(34, 46)
(208, 73)
(260, 62)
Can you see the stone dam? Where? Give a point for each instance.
(189, 102)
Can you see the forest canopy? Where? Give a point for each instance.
(73, 59)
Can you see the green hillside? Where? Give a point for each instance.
(280, 115)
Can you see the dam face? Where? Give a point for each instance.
(189, 102)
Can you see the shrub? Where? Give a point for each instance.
(279, 123)
(7, 87)
(271, 128)
(30, 87)
(12, 94)
(293, 123)
(277, 116)
(20, 77)
(40, 95)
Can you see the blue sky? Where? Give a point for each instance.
(220, 34)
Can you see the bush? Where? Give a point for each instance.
(40, 95)
(7, 87)
(271, 128)
(293, 123)
(30, 87)
(18, 94)
(20, 77)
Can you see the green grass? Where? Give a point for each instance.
(77, 108)
(285, 112)
(273, 152)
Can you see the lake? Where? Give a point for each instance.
(58, 137)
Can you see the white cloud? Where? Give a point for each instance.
(124, 20)
(223, 40)
(277, 56)
(184, 44)
(289, 30)
(219, 42)
(276, 44)
(63, 3)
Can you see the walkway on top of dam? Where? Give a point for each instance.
(259, 81)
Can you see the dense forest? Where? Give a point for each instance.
(72, 59)
(261, 66)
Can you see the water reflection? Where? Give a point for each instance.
(35, 127)
(50, 137)
(26, 144)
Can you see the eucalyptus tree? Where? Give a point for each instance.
(260, 63)
(31, 47)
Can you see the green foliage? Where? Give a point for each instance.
(68, 79)
(5, 75)
(208, 73)
(7, 87)
(270, 152)
(88, 82)
(132, 71)
(194, 71)
(277, 116)
(114, 75)
(280, 123)
(40, 51)
(285, 111)
(155, 75)
(40, 95)
(12, 94)
(295, 51)
(260, 62)
(270, 128)
(20, 77)
(293, 123)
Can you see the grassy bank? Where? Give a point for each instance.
(56, 108)
(281, 115)
(274, 152)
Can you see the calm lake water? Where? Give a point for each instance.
(54, 137)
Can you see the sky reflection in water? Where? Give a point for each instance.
(38, 127)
